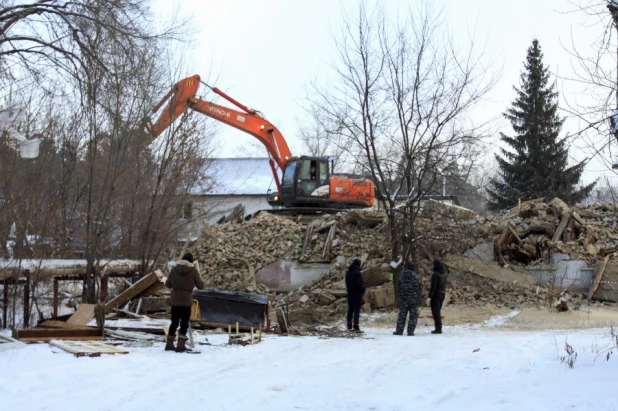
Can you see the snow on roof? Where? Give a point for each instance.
(236, 176)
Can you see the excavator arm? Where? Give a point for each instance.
(183, 96)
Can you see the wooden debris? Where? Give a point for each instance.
(141, 285)
(283, 321)
(254, 337)
(48, 334)
(87, 348)
(195, 311)
(83, 315)
(598, 279)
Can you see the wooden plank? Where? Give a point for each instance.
(152, 290)
(282, 320)
(87, 348)
(588, 214)
(598, 279)
(58, 324)
(502, 241)
(566, 219)
(514, 234)
(307, 241)
(83, 315)
(196, 315)
(577, 218)
(47, 334)
(135, 290)
(47, 339)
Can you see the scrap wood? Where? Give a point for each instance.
(208, 324)
(244, 339)
(283, 321)
(48, 334)
(196, 314)
(132, 335)
(141, 285)
(598, 279)
(146, 330)
(83, 315)
(58, 324)
(566, 219)
(127, 313)
(87, 348)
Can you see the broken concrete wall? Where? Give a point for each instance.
(287, 275)
(566, 274)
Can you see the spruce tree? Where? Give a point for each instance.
(537, 166)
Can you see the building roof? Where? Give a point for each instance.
(236, 176)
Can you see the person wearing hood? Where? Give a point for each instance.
(410, 288)
(183, 277)
(437, 292)
(355, 286)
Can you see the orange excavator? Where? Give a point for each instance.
(307, 181)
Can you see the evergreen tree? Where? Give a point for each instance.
(537, 166)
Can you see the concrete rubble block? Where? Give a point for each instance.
(382, 297)
(484, 252)
(326, 298)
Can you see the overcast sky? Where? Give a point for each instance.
(265, 53)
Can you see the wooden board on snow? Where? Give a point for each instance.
(87, 348)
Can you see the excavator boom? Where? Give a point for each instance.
(183, 96)
(305, 180)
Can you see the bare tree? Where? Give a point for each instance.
(398, 106)
(595, 68)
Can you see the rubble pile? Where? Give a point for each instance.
(534, 230)
(231, 253)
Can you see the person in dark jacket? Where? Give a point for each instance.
(183, 277)
(410, 288)
(356, 291)
(437, 292)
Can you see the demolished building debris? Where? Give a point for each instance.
(538, 254)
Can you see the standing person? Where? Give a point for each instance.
(356, 290)
(410, 288)
(183, 277)
(437, 292)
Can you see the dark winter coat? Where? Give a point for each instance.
(354, 281)
(410, 286)
(438, 281)
(183, 277)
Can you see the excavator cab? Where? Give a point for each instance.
(306, 181)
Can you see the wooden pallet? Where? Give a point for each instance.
(87, 348)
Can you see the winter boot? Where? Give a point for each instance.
(182, 339)
(437, 331)
(397, 333)
(169, 346)
(410, 334)
(349, 326)
(357, 329)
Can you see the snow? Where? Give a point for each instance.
(512, 370)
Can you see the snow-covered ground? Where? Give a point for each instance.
(512, 370)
